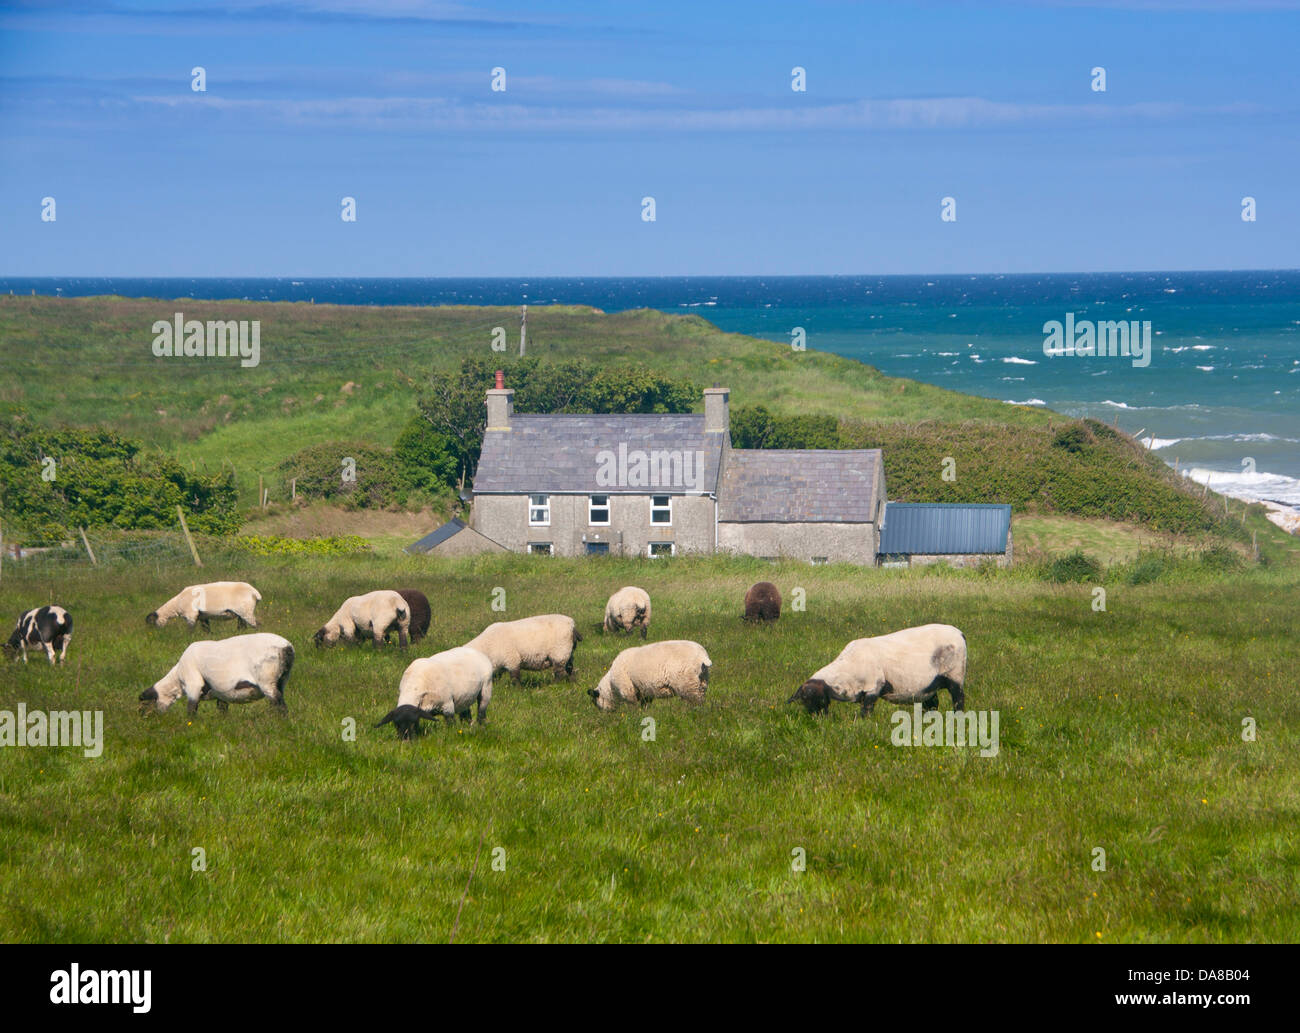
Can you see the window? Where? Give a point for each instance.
(539, 511)
(661, 549)
(539, 548)
(819, 560)
(598, 548)
(598, 510)
(661, 509)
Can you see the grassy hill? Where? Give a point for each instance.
(349, 373)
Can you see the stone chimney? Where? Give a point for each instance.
(717, 410)
(500, 404)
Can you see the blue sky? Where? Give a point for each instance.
(390, 102)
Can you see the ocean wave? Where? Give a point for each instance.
(1032, 401)
(1259, 486)
(1207, 369)
(1021, 362)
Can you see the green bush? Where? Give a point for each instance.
(753, 426)
(54, 480)
(380, 480)
(1146, 568)
(1220, 557)
(277, 545)
(1075, 567)
(428, 458)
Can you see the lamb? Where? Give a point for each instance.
(375, 614)
(446, 683)
(232, 670)
(763, 602)
(199, 604)
(531, 644)
(628, 608)
(46, 626)
(906, 666)
(643, 673)
(417, 604)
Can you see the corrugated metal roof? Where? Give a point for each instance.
(559, 453)
(796, 485)
(944, 529)
(451, 527)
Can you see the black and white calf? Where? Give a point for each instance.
(48, 626)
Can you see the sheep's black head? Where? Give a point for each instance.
(406, 719)
(152, 619)
(814, 694)
(319, 637)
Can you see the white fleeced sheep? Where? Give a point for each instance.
(638, 675)
(374, 614)
(445, 684)
(530, 644)
(907, 666)
(232, 670)
(220, 600)
(627, 609)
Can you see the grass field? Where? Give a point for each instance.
(1119, 730)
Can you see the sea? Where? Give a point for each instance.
(1220, 395)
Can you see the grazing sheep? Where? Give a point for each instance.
(446, 684)
(374, 614)
(628, 608)
(232, 670)
(763, 602)
(417, 604)
(199, 604)
(907, 666)
(46, 626)
(531, 644)
(638, 675)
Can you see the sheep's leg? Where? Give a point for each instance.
(23, 645)
(868, 704)
(403, 639)
(956, 694)
(222, 706)
(644, 629)
(930, 702)
(191, 705)
(207, 624)
(514, 675)
(49, 652)
(482, 710)
(63, 650)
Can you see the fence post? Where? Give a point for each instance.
(293, 489)
(188, 540)
(2, 550)
(261, 495)
(89, 551)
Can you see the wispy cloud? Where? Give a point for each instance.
(447, 114)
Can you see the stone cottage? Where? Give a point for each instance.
(662, 485)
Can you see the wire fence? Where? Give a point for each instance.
(108, 551)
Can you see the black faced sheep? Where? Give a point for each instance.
(445, 684)
(627, 610)
(530, 644)
(638, 675)
(199, 604)
(46, 626)
(374, 614)
(907, 666)
(232, 670)
(763, 602)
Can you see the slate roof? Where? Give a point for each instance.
(944, 529)
(451, 527)
(558, 453)
(799, 485)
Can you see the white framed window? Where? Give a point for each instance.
(819, 560)
(539, 511)
(656, 549)
(539, 548)
(598, 510)
(661, 510)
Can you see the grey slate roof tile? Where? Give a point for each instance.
(799, 485)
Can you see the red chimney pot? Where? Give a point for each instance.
(501, 379)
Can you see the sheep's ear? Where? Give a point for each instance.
(149, 696)
(593, 693)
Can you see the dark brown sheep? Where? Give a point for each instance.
(418, 603)
(763, 602)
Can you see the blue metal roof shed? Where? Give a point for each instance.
(944, 529)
